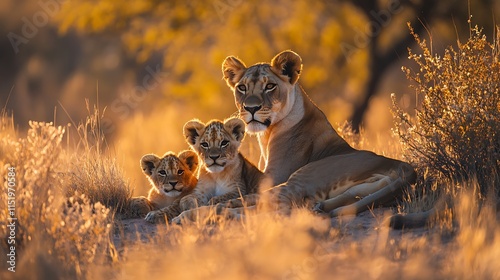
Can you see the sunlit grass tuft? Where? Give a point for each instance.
(94, 173)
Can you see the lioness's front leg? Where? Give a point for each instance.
(376, 198)
(354, 193)
(346, 180)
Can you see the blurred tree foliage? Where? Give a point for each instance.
(346, 46)
(195, 36)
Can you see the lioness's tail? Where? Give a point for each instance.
(412, 220)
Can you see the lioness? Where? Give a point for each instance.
(303, 155)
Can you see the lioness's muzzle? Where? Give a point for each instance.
(252, 104)
(252, 110)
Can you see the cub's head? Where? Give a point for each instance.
(172, 175)
(217, 142)
(264, 93)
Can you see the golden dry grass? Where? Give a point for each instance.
(72, 237)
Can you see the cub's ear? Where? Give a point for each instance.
(148, 163)
(232, 70)
(192, 131)
(236, 127)
(190, 158)
(288, 64)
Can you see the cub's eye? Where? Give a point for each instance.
(270, 86)
(242, 88)
(204, 145)
(180, 172)
(224, 143)
(162, 173)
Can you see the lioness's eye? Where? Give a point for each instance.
(204, 145)
(162, 173)
(224, 143)
(180, 172)
(270, 86)
(242, 88)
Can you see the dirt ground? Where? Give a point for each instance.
(348, 229)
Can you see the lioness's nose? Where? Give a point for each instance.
(173, 183)
(253, 109)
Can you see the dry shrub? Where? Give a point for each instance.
(53, 238)
(454, 135)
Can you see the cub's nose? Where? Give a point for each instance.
(214, 157)
(173, 184)
(252, 109)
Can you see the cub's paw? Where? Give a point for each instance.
(184, 217)
(188, 202)
(234, 203)
(155, 217)
(221, 207)
(139, 207)
(214, 201)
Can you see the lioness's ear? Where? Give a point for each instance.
(190, 158)
(236, 127)
(148, 163)
(289, 64)
(192, 130)
(232, 70)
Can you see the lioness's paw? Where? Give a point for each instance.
(155, 217)
(318, 208)
(177, 220)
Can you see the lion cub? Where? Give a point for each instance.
(172, 177)
(226, 174)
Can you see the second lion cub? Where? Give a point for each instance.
(226, 174)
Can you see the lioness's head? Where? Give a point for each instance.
(263, 92)
(171, 175)
(217, 142)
